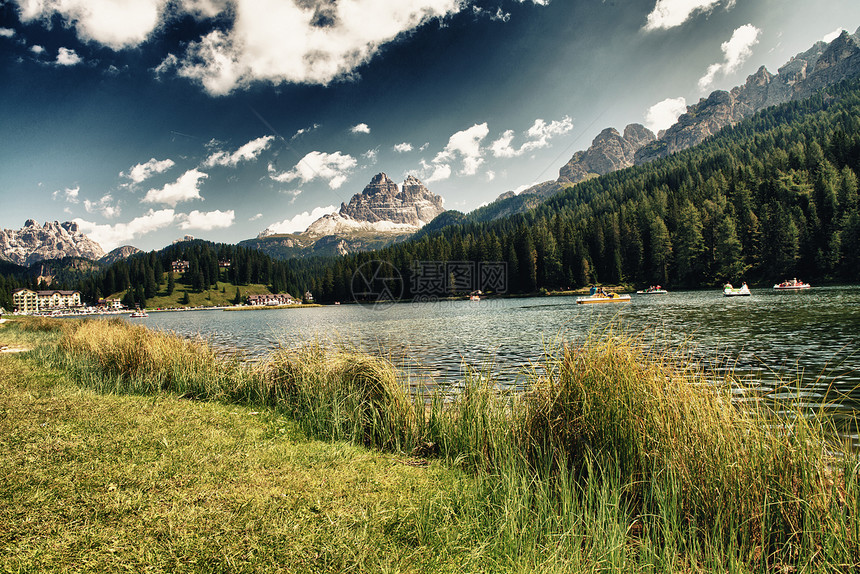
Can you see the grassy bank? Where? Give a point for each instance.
(615, 460)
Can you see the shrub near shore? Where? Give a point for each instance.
(614, 459)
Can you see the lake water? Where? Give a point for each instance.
(813, 334)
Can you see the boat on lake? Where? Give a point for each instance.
(791, 285)
(138, 314)
(730, 291)
(598, 295)
(652, 291)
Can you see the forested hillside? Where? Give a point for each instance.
(146, 275)
(775, 196)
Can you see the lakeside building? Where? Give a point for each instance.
(28, 301)
(272, 299)
(111, 304)
(180, 266)
(309, 297)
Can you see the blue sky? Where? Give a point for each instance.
(145, 120)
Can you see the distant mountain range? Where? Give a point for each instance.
(385, 213)
(46, 251)
(382, 214)
(806, 73)
(54, 240)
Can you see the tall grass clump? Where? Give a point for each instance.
(342, 395)
(689, 459)
(30, 331)
(113, 356)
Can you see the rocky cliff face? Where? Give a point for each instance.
(54, 240)
(381, 200)
(820, 66)
(381, 214)
(609, 151)
(119, 254)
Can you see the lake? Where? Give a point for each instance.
(811, 334)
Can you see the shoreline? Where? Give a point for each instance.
(272, 307)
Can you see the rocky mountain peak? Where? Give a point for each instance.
(383, 201)
(54, 240)
(119, 254)
(609, 151)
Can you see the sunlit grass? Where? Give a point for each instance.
(617, 457)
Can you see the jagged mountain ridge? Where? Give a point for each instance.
(54, 240)
(381, 214)
(119, 254)
(803, 75)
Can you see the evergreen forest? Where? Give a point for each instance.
(773, 197)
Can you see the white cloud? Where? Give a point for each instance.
(7, 33)
(301, 221)
(833, 35)
(255, 217)
(538, 136)
(333, 168)
(207, 220)
(70, 194)
(464, 145)
(112, 236)
(204, 8)
(117, 24)
(300, 42)
(501, 16)
(431, 173)
(303, 131)
(248, 152)
(143, 171)
(37, 49)
(541, 132)
(186, 188)
(360, 129)
(502, 146)
(403, 147)
(371, 155)
(671, 13)
(68, 57)
(663, 114)
(105, 206)
(736, 51)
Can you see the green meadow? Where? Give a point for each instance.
(127, 449)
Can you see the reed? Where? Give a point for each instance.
(617, 456)
(343, 395)
(113, 356)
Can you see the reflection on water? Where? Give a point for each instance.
(812, 335)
